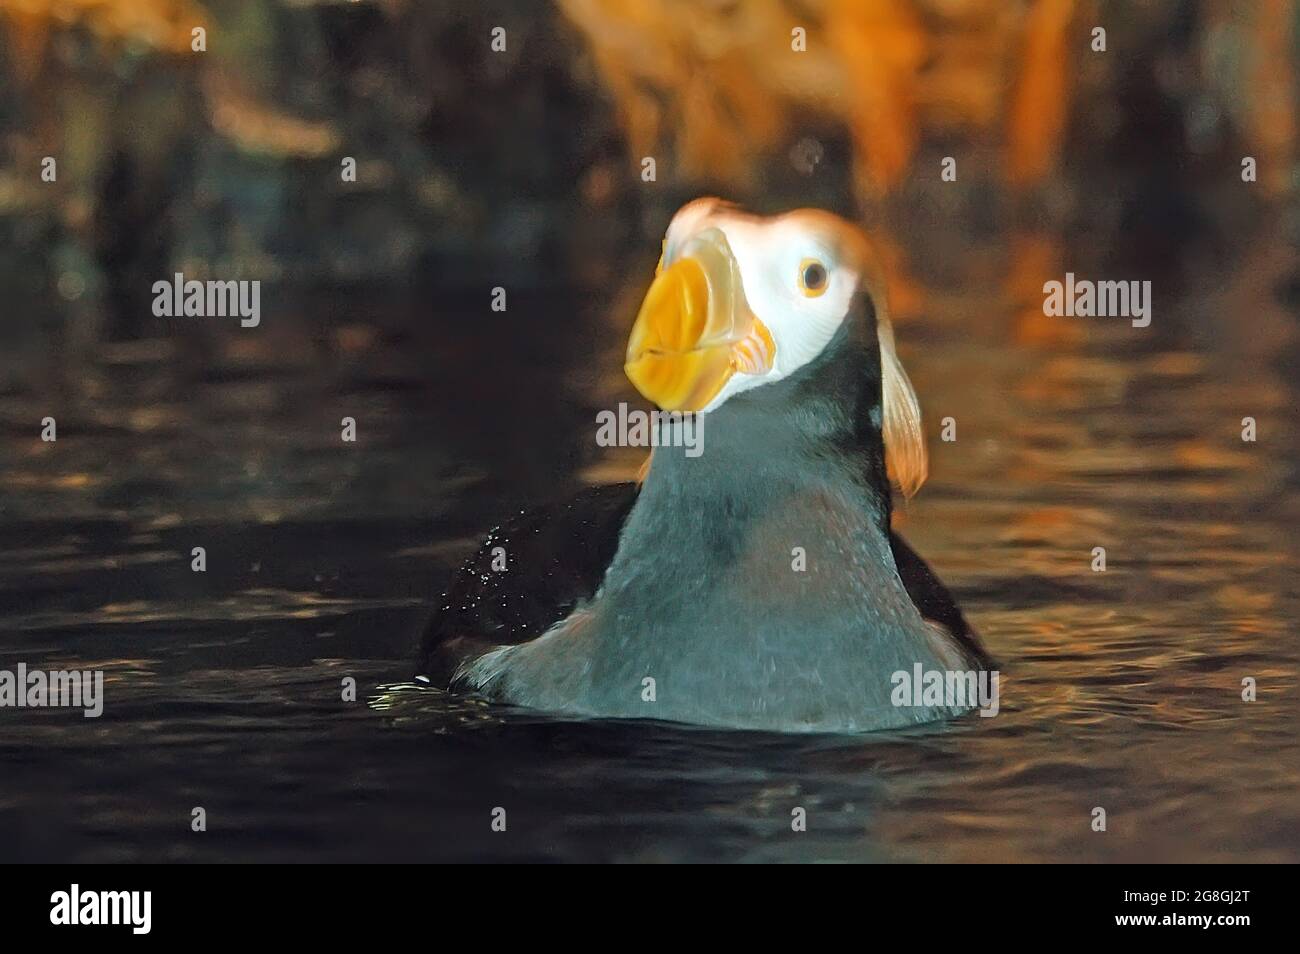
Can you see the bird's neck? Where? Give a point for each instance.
(757, 477)
(795, 464)
(820, 426)
(762, 533)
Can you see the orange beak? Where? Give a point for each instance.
(695, 330)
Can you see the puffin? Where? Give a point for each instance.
(754, 582)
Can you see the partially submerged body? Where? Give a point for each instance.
(756, 584)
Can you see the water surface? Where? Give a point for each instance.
(1121, 689)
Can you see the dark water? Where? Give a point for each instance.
(1121, 689)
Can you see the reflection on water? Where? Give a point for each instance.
(1121, 689)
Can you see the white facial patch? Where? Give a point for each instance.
(772, 255)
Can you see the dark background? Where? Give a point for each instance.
(522, 169)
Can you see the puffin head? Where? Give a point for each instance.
(741, 301)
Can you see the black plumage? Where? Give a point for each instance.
(556, 557)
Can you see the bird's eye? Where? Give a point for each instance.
(812, 277)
